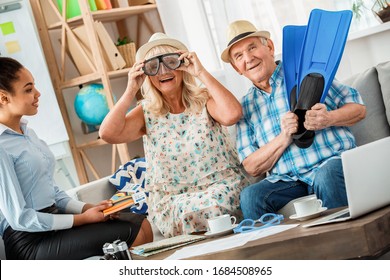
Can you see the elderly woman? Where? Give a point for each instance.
(193, 172)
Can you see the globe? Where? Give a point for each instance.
(91, 104)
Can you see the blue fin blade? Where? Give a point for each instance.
(323, 46)
(293, 36)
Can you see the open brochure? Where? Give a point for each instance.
(120, 201)
(152, 248)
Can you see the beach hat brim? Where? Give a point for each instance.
(144, 49)
(225, 56)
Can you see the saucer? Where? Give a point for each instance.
(219, 233)
(309, 216)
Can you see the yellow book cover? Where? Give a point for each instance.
(120, 201)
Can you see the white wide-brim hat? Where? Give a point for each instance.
(158, 39)
(239, 30)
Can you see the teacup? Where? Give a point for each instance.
(307, 206)
(221, 223)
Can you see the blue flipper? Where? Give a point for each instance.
(323, 46)
(293, 37)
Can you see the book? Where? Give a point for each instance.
(103, 4)
(120, 201)
(73, 8)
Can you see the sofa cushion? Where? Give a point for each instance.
(93, 192)
(130, 177)
(384, 81)
(375, 126)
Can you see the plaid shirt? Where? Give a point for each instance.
(261, 123)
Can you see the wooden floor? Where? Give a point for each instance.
(367, 237)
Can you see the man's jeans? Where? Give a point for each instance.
(266, 197)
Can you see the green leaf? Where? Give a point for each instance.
(123, 41)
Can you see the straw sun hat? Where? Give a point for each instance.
(239, 30)
(158, 39)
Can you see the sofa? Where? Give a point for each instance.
(374, 87)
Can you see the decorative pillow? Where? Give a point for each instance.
(375, 125)
(384, 79)
(130, 177)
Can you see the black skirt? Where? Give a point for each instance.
(71, 244)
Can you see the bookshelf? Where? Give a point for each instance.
(58, 36)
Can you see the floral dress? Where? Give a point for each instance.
(192, 174)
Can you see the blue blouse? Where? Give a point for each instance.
(27, 184)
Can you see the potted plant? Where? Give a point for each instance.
(126, 47)
(357, 8)
(381, 10)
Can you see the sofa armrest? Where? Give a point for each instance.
(96, 191)
(93, 192)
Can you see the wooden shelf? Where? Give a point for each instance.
(94, 77)
(91, 144)
(49, 21)
(115, 14)
(119, 73)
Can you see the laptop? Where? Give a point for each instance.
(367, 181)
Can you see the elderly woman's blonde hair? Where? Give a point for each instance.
(194, 97)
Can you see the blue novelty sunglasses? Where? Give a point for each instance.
(268, 219)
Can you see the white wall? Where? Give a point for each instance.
(185, 20)
(365, 49)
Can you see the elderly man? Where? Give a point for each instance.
(264, 133)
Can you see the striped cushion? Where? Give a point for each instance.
(130, 177)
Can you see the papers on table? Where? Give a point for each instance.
(233, 241)
(152, 248)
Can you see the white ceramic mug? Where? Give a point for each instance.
(307, 206)
(221, 223)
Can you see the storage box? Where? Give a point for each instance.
(128, 53)
(79, 55)
(81, 34)
(113, 55)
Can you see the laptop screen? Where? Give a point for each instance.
(367, 176)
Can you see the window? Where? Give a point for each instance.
(273, 15)
(202, 24)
